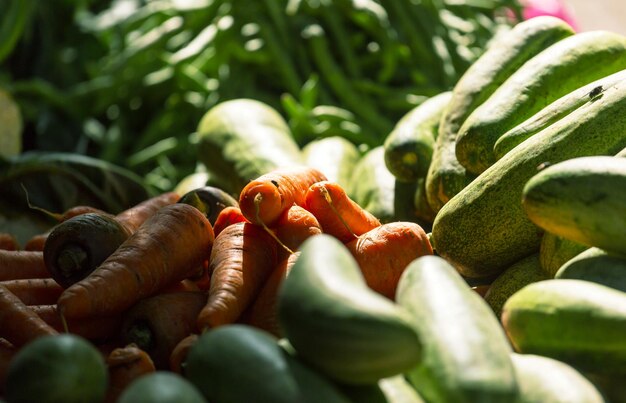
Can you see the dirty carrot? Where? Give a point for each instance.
(337, 213)
(229, 215)
(125, 364)
(243, 256)
(263, 200)
(35, 291)
(293, 227)
(8, 242)
(179, 354)
(156, 324)
(167, 248)
(133, 217)
(262, 313)
(18, 264)
(95, 328)
(19, 325)
(384, 252)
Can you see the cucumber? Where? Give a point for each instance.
(210, 200)
(409, 146)
(504, 55)
(337, 324)
(423, 210)
(240, 363)
(466, 355)
(484, 229)
(334, 156)
(546, 380)
(520, 274)
(242, 139)
(555, 250)
(161, 387)
(553, 73)
(553, 112)
(598, 266)
(395, 389)
(581, 199)
(575, 321)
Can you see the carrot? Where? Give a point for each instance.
(18, 264)
(263, 200)
(35, 291)
(125, 364)
(36, 242)
(158, 323)
(338, 215)
(229, 215)
(133, 217)
(384, 252)
(7, 352)
(8, 242)
(167, 248)
(96, 328)
(179, 354)
(185, 285)
(293, 227)
(18, 323)
(262, 313)
(242, 258)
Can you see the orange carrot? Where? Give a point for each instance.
(156, 324)
(293, 227)
(125, 364)
(98, 329)
(19, 264)
(242, 258)
(133, 217)
(7, 352)
(167, 248)
(229, 215)
(179, 354)
(8, 242)
(262, 313)
(36, 242)
(263, 200)
(384, 252)
(35, 291)
(338, 215)
(18, 323)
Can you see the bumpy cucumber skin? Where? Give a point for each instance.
(484, 229)
(546, 380)
(466, 355)
(334, 156)
(581, 199)
(409, 146)
(553, 112)
(241, 139)
(574, 321)
(555, 72)
(598, 266)
(555, 250)
(446, 176)
(337, 324)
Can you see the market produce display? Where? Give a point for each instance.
(322, 241)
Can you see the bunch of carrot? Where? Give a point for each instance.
(177, 274)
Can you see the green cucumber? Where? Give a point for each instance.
(466, 355)
(337, 324)
(240, 363)
(581, 199)
(242, 139)
(504, 55)
(553, 73)
(553, 112)
(484, 229)
(575, 321)
(555, 250)
(519, 274)
(161, 387)
(598, 266)
(409, 146)
(334, 156)
(546, 380)
(395, 389)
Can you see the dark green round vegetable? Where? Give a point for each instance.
(210, 200)
(161, 387)
(78, 245)
(57, 369)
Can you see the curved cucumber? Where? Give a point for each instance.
(466, 354)
(446, 176)
(553, 112)
(581, 199)
(484, 229)
(339, 325)
(598, 266)
(409, 146)
(575, 321)
(555, 72)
